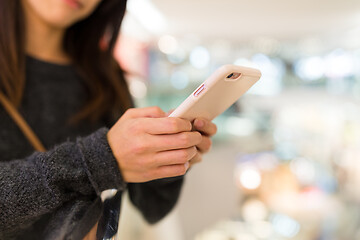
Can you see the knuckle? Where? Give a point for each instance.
(138, 147)
(134, 127)
(184, 155)
(173, 124)
(208, 143)
(176, 170)
(198, 137)
(184, 139)
(215, 128)
(194, 151)
(181, 170)
(162, 173)
(157, 109)
(189, 125)
(130, 111)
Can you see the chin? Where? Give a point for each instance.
(56, 13)
(61, 21)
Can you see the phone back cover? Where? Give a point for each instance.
(218, 93)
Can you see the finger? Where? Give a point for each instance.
(166, 125)
(175, 141)
(171, 170)
(205, 126)
(172, 157)
(150, 112)
(196, 159)
(205, 144)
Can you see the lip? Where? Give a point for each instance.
(74, 4)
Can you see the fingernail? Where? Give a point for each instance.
(200, 123)
(187, 165)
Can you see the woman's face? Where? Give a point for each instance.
(61, 13)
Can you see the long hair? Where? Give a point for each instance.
(103, 77)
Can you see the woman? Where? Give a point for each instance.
(57, 68)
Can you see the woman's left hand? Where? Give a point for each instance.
(207, 130)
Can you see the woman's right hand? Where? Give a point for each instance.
(148, 145)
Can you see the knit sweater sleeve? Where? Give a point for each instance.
(40, 183)
(155, 199)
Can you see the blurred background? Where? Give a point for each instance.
(285, 161)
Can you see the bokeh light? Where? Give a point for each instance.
(137, 88)
(285, 225)
(310, 69)
(253, 210)
(179, 79)
(168, 44)
(200, 57)
(249, 177)
(339, 64)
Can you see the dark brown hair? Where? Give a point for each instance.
(106, 85)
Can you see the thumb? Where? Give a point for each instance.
(151, 112)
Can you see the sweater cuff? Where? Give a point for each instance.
(100, 163)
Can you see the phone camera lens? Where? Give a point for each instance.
(233, 76)
(230, 75)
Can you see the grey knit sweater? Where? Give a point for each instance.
(54, 195)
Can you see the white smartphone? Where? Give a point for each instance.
(226, 85)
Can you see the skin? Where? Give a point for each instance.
(155, 146)
(46, 22)
(145, 142)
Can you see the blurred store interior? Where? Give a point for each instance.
(285, 163)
